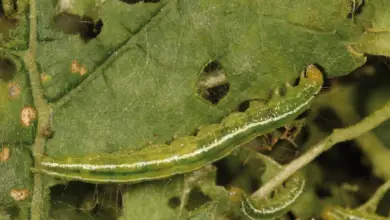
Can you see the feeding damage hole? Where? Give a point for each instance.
(131, 2)
(8, 6)
(243, 106)
(75, 24)
(92, 200)
(7, 69)
(356, 8)
(174, 202)
(196, 199)
(213, 84)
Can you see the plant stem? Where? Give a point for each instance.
(337, 136)
(41, 107)
(371, 205)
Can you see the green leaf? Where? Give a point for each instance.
(15, 101)
(15, 178)
(375, 40)
(166, 197)
(155, 200)
(139, 85)
(124, 74)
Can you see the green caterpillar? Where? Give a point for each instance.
(270, 207)
(189, 153)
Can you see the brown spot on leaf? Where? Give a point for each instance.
(45, 77)
(13, 90)
(19, 194)
(74, 68)
(5, 154)
(47, 132)
(27, 116)
(78, 68)
(83, 70)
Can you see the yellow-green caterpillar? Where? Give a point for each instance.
(280, 204)
(189, 153)
(270, 207)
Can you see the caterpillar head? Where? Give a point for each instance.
(314, 74)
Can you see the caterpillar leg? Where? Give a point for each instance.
(292, 130)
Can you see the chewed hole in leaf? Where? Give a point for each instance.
(75, 24)
(7, 69)
(174, 202)
(227, 169)
(213, 84)
(138, 1)
(272, 195)
(10, 5)
(97, 29)
(291, 215)
(295, 81)
(196, 199)
(356, 8)
(243, 106)
(87, 199)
